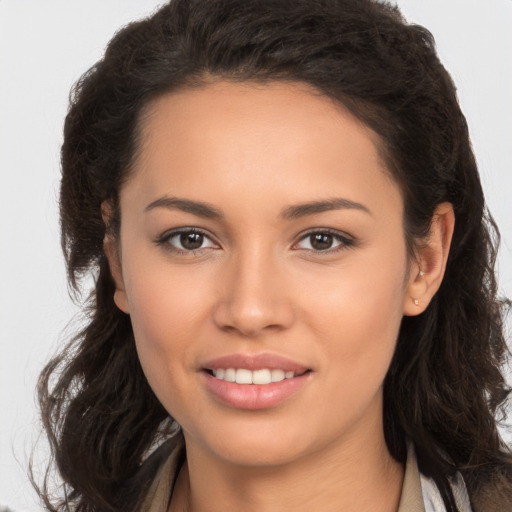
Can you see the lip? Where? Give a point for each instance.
(254, 396)
(255, 362)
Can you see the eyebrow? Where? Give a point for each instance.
(186, 205)
(314, 207)
(209, 211)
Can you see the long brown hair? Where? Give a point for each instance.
(444, 387)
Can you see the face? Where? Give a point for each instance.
(262, 242)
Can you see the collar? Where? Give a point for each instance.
(420, 493)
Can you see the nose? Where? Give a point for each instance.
(254, 296)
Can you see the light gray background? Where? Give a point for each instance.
(44, 47)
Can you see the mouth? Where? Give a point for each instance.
(261, 376)
(252, 382)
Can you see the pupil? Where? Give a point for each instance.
(191, 241)
(321, 241)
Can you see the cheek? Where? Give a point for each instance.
(167, 314)
(164, 301)
(367, 329)
(357, 350)
(359, 320)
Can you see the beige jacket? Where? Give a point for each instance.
(419, 494)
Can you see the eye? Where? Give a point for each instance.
(324, 241)
(186, 240)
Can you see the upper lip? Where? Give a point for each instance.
(255, 362)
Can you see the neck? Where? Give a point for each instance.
(355, 474)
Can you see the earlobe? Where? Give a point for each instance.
(111, 250)
(120, 301)
(427, 271)
(112, 254)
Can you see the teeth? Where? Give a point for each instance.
(230, 375)
(244, 376)
(277, 375)
(261, 377)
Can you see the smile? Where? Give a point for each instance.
(254, 381)
(246, 376)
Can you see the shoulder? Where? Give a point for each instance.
(482, 489)
(494, 495)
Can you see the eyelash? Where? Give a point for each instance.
(345, 242)
(164, 240)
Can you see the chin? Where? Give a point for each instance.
(260, 444)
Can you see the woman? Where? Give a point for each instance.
(295, 305)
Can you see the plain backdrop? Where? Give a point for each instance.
(44, 47)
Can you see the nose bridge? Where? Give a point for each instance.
(253, 294)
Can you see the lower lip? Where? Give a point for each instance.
(254, 396)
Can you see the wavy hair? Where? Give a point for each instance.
(444, 389)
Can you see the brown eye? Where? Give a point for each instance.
(324, 241)
(191, 241)
(321, 241)
(186, 240)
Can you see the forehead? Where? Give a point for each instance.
(231, 137)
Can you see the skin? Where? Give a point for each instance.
(257, 285)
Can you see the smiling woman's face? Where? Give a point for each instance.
(262, 240)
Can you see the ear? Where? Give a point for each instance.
(112, 253)
(427, 270)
